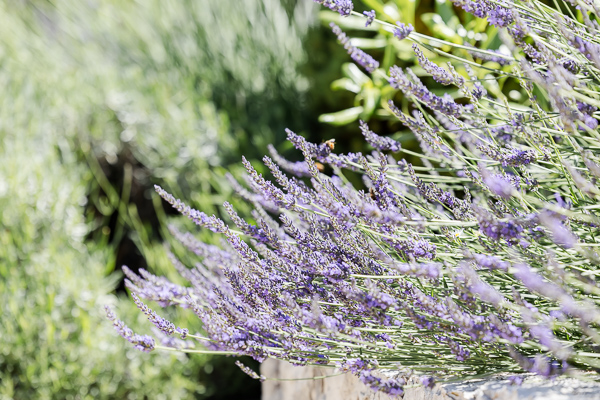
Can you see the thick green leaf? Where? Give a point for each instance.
(353, 72)
(345, 84)
(371, 98)
(342, 117)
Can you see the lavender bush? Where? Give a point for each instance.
(479, 258)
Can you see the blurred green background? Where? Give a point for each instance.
(100, 100)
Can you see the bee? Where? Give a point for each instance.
(372, 194)
(330, 143)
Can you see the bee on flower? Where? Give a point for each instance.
(330, 143)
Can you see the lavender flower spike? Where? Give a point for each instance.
(361, 58)
(165, 326)
(402, 31)
(413, 86)
(439, 74)
(560, 234)
(513, 157)
(250, 372)
(497, 230)
(381, 143)
(141, 342)
(199, 218)
(370, 17)
(343, 7)
(497, 184)
(297, 168)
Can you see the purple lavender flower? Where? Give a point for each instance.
(558, 315)
(518, 157)
(370, 17)
(459, 351)
(199, 218)
(361, 58)
(322, 152)
(155, 288)
(439, 74)
(354, 365)
(477, 8)
(418, 248)
(587, 187)
(509, 230)
(476, 286)
(250, 372)
(593, 167)
(498, 184)
(489, 262)
(576, 40)
(402, 31)
(427, 270)
(364, 370)
(445, 104)
(586, 108)
(298, 168)
(165, 326)
(343, 7)
(546, 338)
(381, 143)
(374, 298)
(144, 343)
(430, 141)
(509, 157)
(500, 16)
(539, 364)
(535, 282)
(427, 381)
(291, 186)
(590, 121)
(432, 192)
(171, 341)
(269, 190)
(212, 256)
(497, 15)
(506, 132)
(385, 385)
(560, 234)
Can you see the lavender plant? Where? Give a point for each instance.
(480, 258)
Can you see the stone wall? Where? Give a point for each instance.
(348, 387)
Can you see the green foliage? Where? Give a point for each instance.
(444, 34)
(184, 84)
(55, 342)
(181, 87)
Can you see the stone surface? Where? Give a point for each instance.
(347, 387)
